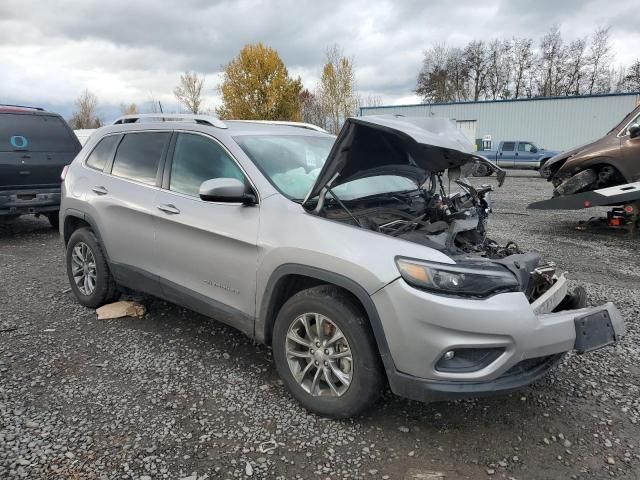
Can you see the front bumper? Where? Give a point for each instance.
(21, 202)
(420, 327)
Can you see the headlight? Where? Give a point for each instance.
(476, 279)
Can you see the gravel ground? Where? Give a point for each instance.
(175, 395)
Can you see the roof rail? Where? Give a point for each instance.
(2, 105)
(171, 117)
(308, 126)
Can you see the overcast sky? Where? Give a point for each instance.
(128, 51)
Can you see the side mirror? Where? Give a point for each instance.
(634, 131)
(534, 150)
(227, 190)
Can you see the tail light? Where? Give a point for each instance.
(64, 172)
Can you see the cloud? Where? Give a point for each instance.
(130, 51)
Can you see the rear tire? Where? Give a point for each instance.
(336, 313)
(54, 220)
(100, 288)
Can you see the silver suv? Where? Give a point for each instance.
(351, 256)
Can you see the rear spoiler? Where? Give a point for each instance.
(605, 197)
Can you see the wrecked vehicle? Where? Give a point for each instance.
(609, 161)
(362, 260)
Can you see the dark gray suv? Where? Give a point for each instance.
(348, 255)
(35, 146)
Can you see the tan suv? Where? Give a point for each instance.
(611, 160)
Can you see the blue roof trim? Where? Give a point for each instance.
(482, 102)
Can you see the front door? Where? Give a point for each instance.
(630, 153)
(206, 251)
(524, 157)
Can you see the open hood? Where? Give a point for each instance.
(412, 147)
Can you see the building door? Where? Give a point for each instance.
(469, 128)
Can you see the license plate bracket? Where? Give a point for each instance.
(593, 331)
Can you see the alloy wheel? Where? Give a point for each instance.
(83, 268)
(319, 355)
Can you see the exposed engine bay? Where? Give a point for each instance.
(438, 207)
(453, 223)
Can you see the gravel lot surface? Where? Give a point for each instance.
(175, 395)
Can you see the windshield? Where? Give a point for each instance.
(292, 164)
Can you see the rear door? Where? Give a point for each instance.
(506, 155)
(34, 148)
(524, 157)
(122, 203)
(206, 251)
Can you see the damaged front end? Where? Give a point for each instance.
(441, 209)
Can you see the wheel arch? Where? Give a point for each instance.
(593, 163)
(74, 219)
(543, 161)
(289, 279)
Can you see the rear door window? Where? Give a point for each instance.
(35, 133)
(138, 156)
(102, 153)
(508, 146)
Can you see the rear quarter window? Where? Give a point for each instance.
(35, 133)
(100, 155)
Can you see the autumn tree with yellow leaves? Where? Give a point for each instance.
(337, 89)
(256, 86)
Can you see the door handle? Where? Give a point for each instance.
(169, 208)
(100, 190)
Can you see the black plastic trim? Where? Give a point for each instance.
(266, 316)
(143, 281)
(423, 390)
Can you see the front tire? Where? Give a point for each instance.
(577, 183)
(325, 353)
(87, 270)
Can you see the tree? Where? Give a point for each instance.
(337, 88)
(475, 59)
(457, 75)
(311, 110)
(85, 115)
(631, 81)
(433, 78)
(523, 60)
(575, 67)
(499, 64)
(130, 109)
(256, 86)
(599, 62)
(550, 64)
(189, 91)
(368, 101)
